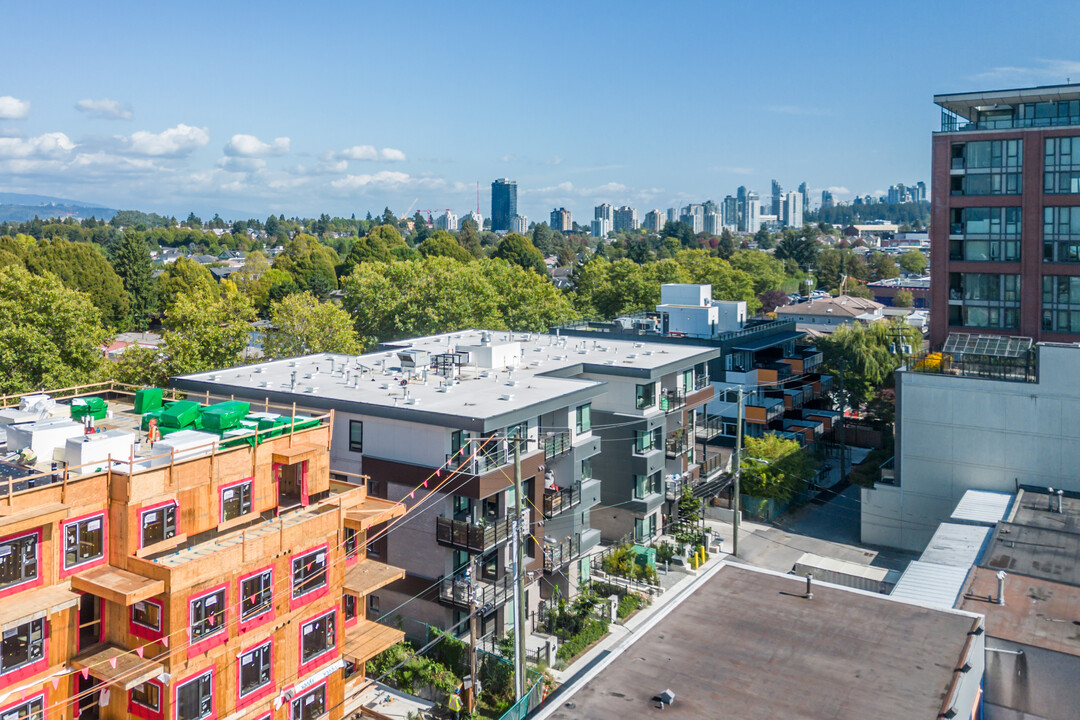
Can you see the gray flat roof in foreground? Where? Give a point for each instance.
(982, 507)
(956, 545)
(929, 583)
(746, 644)
(483, 399)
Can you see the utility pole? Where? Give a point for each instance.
(843, 425)
(735, 497)
(519, 578)
(470, 697)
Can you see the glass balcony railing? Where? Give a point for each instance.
(474, 537)
(709, 428)
(676, 443)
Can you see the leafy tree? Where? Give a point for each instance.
(444, 244)
(903, 299)
(206, 329)
(727, 282)
(183, 277)
(544, 238)
(772, 299)
(766, 271)
(803, 250)
(519, 250)
(883, 266)
(914, 262)
(131, 261)
(50, 335)
(726, 247)
(469, 237)
(786, 470)
(864, 355)
(680, 230)
(248, 276)
(306, 259)
(764, 239)
(303, 325)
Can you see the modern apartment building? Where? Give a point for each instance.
(447, 221)
(776, 199)
(601, 227)
(654, 221)
(804, 191)
(1005, 231)
(694, 216)
(503, 204)
(792, 209)
(211, 575)
(519, 224)
(730, 213)
(626, 219)
(476, 218)
(604, 211)
(562, 220)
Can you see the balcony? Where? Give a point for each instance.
(560, 555)
(701, 381)
(676, 443)
(559, 500)
(474, 537)
(675, 488)
(456, 591)
(556, 444)
(710, 428)
(672, 400)
(480, 463)
(710, 467)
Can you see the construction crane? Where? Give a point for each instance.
(430, 222)
(405, 216)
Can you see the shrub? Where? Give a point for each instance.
(592, 632)
(629, 603)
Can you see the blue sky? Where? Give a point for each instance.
(301, 108)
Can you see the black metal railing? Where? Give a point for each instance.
(483, 462)
(671, 400)
(701, 381)
(712, 426)
(557, 444)
(561, 554)
(458, 591)
(676, 443)
(560, 500)
(711, 466)
(474, 537)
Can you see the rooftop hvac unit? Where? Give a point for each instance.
(412, 359)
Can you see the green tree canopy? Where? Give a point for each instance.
(765, 270)
(903, 299)
(50, 335)
(786, 470)
(913, 261)
(519, 250)
(131, 260)
(802, 250)
(81, 266)
(302, 324)
(444, 244)
(181, 278)
(866, 356)
(311, 264)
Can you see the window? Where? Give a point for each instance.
(310, 706)
(158, 524)
(255, 669)
(22, 645)
(646, 440)
(373, 603)
(349, 603)
(1061, 303)
(195, 698)
(1061, 234)
(985, 300)
(350, 542)
(687, 381)
(147, 695)
(84, 540)
(586, 468)
(256, 595)
(29, 710)
(584, 418)
(1061, 166)
(356, 436)
(521, 430)
(18, 560)
(645, 396)
(644, 528)
(236, 500)
(147, 614)
(207, 615)
(640, 486)
(317, 637)
(309, 572)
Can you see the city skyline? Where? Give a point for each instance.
(219, 127)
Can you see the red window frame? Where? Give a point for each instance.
(33, 582)
(308, 691)
(295, 600)
(31, 669)
(357, 604)
(65, 571)
(304, 667)
(265, 616)
(101, 624)
(221, 497)
(265, 690)
(351, 558)
(151, 508)
(213, 693)
(143, 631)
(145, 712)
(32, 698)
(217, 638)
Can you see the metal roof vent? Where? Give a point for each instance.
(311, 389)
(666, 698)
(265, 383)
(507, 396)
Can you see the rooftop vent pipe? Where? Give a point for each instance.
(809, 587)
(1001, 587)
(1050, 498)
(1060, 493)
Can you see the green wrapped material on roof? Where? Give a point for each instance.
(302, 422)
(224, 415)
(152, 415)
(95, 407)
(148, 400)
(179, 415)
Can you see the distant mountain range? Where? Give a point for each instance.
(19, 207)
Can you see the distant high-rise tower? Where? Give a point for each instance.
(604, 211)
(777, 198)
(792, 207)
(713, 222)
(827, 199)
(654, 221)
(753, 212)
(503, 204)
(672, 215)
(730, 213)
(561, 220)
(601, 227)
(519, 224)
(804, 190)
(447, 221)
(476, 218)
(625, 219)
(694, 216)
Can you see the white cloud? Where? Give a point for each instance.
(370, 153)
(385, 179)
(557, 160)
(174, 142)
(100, 163)
(104, 109)
(567, 188)
(241, 164)
(251, 146)
(13, 108)
(1043, 69)
(49, 146)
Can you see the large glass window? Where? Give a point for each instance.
(147, 695)
(147, 613)
(310, 705)
(992, 167)
(309, 572)
(646, 440)
(1061, 304)
(22, 645)
(158, 524)
(195, 698)
(236, 501)
(256, 595)
(255, 669)
(985, 234)
(645, 396)
(317, 636)
(1061, 234)
(29, 710)
(18, 560)
(584, 418)
(84, 540)
(207, 614)
(1061, 166)
(356, 436)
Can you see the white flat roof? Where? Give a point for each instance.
(981, 507)
(926, 583)
(956, 545)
